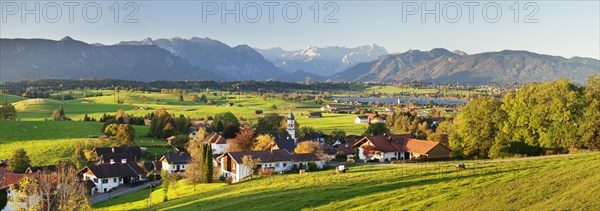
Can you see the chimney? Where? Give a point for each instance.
(113, 149)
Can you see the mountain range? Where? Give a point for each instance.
(323, 61)
(23, 59)
(441, 65)
(208, 59)
(233, 63)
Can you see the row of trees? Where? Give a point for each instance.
(552, 116)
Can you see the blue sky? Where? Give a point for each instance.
(564, 28)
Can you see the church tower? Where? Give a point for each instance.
(290, 125)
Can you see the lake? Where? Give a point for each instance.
(403, 100)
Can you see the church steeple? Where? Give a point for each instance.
(290, 125)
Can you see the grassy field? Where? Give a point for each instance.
(48, 142)
(41, 109)
(567, 182)
(9, 98)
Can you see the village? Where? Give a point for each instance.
(120, 167)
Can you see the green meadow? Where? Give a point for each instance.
(554, 183)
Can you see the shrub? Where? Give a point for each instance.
(340, 155)
(312, 166)
(229, 180)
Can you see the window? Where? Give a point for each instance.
(120, 179)
(95, 180)
(276, 164)
(284, 164)
(104, 181)
(115, 179)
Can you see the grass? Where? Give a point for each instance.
(41, 109)
(567, 182)
(48, 142)
(10, 98)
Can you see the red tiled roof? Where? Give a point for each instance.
(11, 178)
(401, 142)
(419, 146)
(215, 138)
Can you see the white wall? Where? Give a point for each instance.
(100, 185)
(171, 168)
(33, 200)
(219, 148)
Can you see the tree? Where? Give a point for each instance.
(306, 147)
(166, 182)
(59, 115)
(589, 122)
(250, 164)
(119, 116)
(478, 125)
(195, 172)
(305, 131)
(368, 151)
(126, 135)
(180, 141)
(181, 98)
(194, 98)
(230, 130)
(19, 162)
(336, 135)
(61, 189)
(377, 129)
(8, 111)
(111, 130)
(208, 163)
(243, 141)
(222, 119)
(262, 141)
(269, 122)
(25, 189)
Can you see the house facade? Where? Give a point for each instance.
(277, 160)
(361, 119)
(104, 177)
(175, 162)
(217, 142)
(400, 147)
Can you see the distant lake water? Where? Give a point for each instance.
(404, 100)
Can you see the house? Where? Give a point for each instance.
(147, 122)
(170, 139)
(346, 148)
(117, 154)
(361, 119)
(403, 146)
(331, 107)
(378, 119)
(35, 169)
(345, 110)
(175, 162)
(9, 182)
(104, 177)
(314, 115)
(217, 142)
(286, 144)
(278, 160)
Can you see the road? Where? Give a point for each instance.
(122, 190)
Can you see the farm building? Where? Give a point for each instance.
(175, 162)
(104, 177)
(401, 147)
(275, 160)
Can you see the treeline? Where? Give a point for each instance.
(40, 87)
(546, 118)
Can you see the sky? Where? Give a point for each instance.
(563, 28)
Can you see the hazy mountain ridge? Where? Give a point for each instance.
(324, 61)
(23, 59)
(233, 63)
(441, 65)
